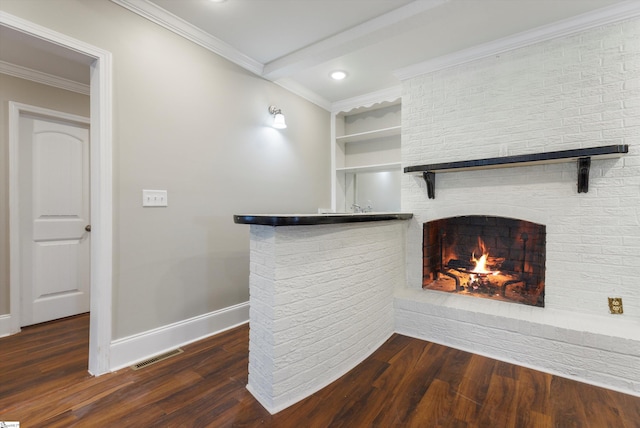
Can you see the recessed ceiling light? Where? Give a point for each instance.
(338, 75)
(218, 1)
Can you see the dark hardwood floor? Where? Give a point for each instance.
(405, 383)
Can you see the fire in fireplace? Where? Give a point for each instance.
(492, 257)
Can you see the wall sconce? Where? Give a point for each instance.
(278, 117)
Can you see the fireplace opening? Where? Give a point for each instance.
(484, 256)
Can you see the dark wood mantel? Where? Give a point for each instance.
(582, 156)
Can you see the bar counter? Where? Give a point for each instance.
(321, 297)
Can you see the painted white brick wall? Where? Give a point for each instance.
(578, 91)
(321, 300)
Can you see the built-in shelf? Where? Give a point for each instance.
(582, 156)
(366, 155)
(371, 168)
(369, 135)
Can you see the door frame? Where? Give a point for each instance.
(16, 111)
(101, 203)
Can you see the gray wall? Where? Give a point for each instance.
(26, 92)
(191, 122)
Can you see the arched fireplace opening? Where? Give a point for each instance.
(485, 256)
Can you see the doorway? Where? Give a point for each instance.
(54, 216)
(100, 188)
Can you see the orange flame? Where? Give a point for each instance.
(481, 263)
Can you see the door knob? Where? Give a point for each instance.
(88, 228)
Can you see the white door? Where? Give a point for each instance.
(54, 213)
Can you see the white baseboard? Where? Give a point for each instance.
(5, 325)
(132, 349)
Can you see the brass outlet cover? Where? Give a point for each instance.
(615, 305)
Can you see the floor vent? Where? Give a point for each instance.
(156, 359)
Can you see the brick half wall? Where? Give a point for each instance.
(321, 301)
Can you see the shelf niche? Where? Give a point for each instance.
(367, 154)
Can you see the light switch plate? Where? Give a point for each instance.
(154, 198)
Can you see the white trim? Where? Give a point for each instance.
(138, 347)
(368, 100)
(5, 325)
(15, 111)
(101, 186)
(302, 91)
(17, 108)
(14, 251)
(171, 22)
(618, 12)
(334, 178)
(43, 78)
(101, 213)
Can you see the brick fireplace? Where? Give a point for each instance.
(572, 92)
(485, 256)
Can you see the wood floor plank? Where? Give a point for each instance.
(434, 409)
(420, 372)
(498, 408)
(361, 402)
(628, 406)
(473, 387)
(405, 383)
(77, 395)
(532, 398)
(567, 408)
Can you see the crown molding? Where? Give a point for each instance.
(43, 78)
(390, 95)
(302, 91)
(618, 12)
(179, 26)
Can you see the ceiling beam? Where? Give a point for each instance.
(358, 37)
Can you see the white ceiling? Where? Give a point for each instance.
(297, 43)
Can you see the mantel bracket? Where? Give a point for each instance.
(430, 179)
(584, 164)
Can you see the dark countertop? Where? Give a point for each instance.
(315, 219)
